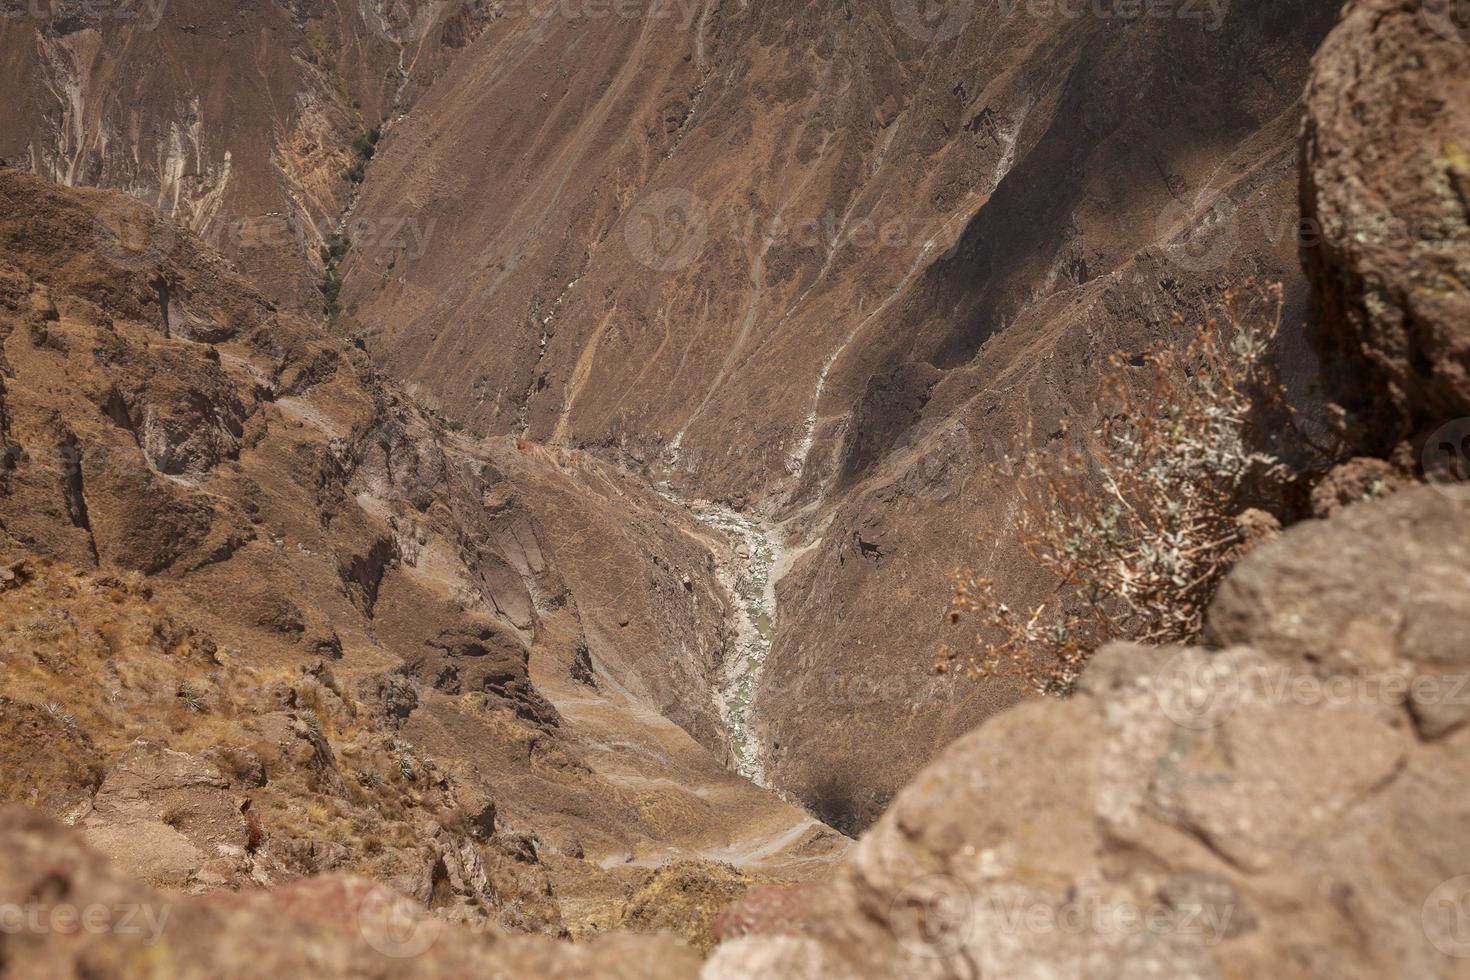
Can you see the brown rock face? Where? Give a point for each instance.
(1371, 594)
(152, 795)
(1386, 185)
(1104, 836)
(238, 122)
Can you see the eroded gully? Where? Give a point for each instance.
(748, 570)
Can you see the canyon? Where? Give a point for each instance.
(506, 464)
(831, 315)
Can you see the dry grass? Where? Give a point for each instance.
(685, 898)
(99, 663)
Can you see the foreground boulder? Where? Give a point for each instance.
(1281, 810)
(1376, 597)
(69, 913)
(1386, 186)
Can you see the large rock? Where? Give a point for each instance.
(1291, 804)
(1185, 815)
(1386, 184)
(1380, 596)
(167, 818)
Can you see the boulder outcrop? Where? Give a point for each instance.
(1386, 205)
(1290, 803)
(1376, 596)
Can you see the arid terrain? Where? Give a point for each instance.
(821, 268)
(481, 484)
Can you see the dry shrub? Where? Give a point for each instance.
(1140, 521)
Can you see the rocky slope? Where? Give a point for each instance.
(337, 926)
(246, 554)
(824, 264)
(1287, 799)
(237, 121)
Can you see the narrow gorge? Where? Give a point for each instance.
(747, 564)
